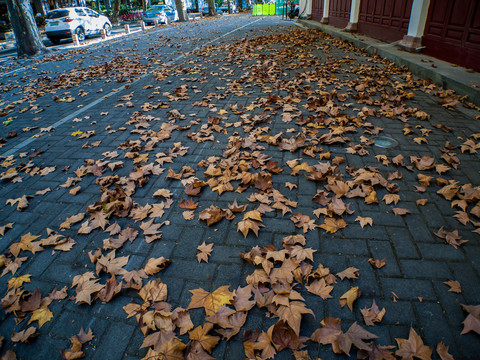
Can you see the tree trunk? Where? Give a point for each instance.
(229, 7)
(240, 5)
(116, 9)
(211, 8)
(144, 5)
(39, 7)
(24, 27)
(182, 17)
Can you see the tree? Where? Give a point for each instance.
(25, 29)
(181, 11)
(211, 8)
(116, 9)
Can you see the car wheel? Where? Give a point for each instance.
(80, 34)
(108, 29)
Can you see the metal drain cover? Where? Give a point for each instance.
(385, 142)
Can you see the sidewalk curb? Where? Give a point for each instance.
(445, 74)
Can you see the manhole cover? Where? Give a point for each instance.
(385, 142)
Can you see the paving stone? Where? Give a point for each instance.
(425, 269)
(408, 289)
(403, 245)
(69, 323)
(121, 333)
(345, 246)
(464, 273)
(440, 252)
(433, 317)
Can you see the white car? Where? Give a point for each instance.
(233, 7)
(63, 23)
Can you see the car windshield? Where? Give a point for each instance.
(156, 8)
(57, 14)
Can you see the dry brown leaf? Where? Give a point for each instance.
(188, 215)
(332, 225)
(376, 263)
(364, 221)
(373, 314)
(320, 288)
(349, 273)
(349, 297)
(472, 321)
(413, 347)
(188, 204)
(400, 211)
(442, 351)
(210, 301)
(454, 286)
(24, 335)
(155, 265)
(421, 202)
(205, 251)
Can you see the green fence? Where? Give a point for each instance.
(270, 9)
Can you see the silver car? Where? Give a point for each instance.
(161, 14)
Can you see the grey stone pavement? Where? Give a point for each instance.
(259, 77)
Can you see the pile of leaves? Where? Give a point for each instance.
(326, 118)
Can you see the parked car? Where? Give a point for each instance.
(224, 7)
(160, 13)
(63, 23)
(204, 10)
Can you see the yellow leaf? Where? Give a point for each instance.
(16, 282)
(42, 315)
(76, 133)
(210, 301)
(349, 297)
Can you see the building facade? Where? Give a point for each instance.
(446, 29)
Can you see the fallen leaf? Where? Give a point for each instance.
(188, 215)
(472, 321)
(200, 334)
(454, 286)
(155, 265)
(373, 314)
(205, 251)
(442, 351)
(413, 347)
(349, 273)
(364, 221)
(349, 297)
(210, 301)
(189, 204)
(25, 335)
(320, 288)
(400, 211)
(42, 315)
(376, 263)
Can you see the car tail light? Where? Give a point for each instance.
(68, 19)
(159, 14)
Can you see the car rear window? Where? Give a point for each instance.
(57, 14)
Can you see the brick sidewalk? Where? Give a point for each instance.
(263, 79)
